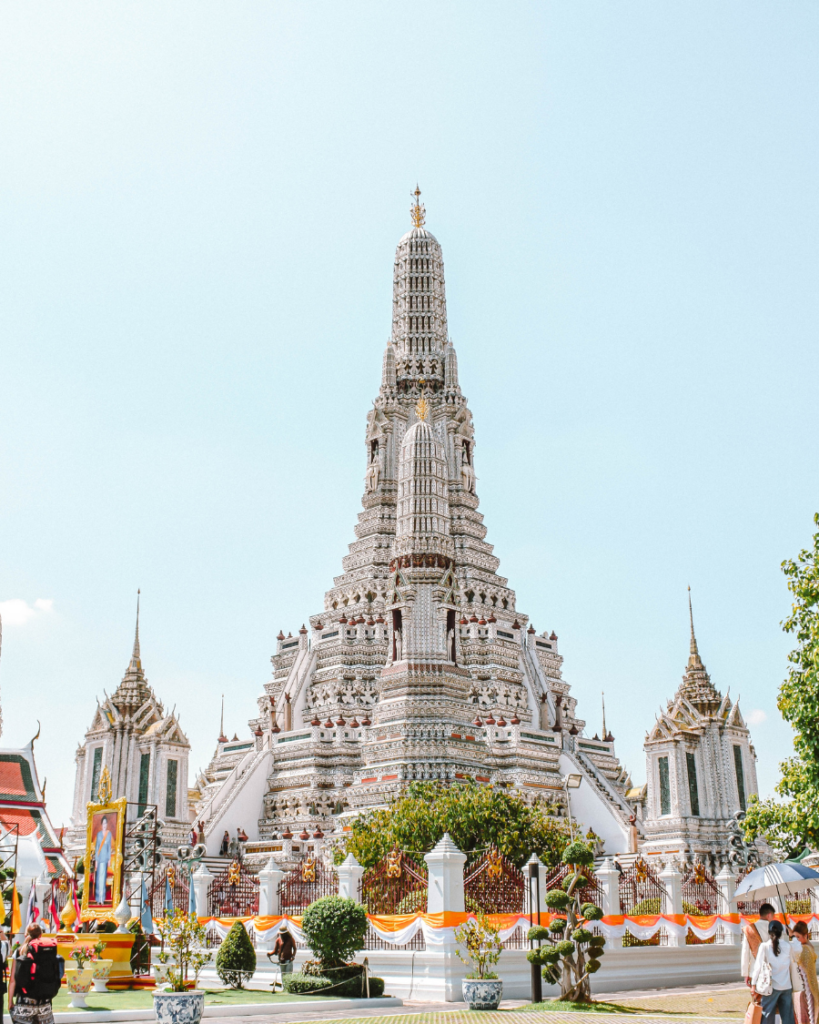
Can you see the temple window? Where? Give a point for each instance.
(740, 775)
(693, 792)
(95, 773)
(144, 771)
(170, 789)
(665, 786)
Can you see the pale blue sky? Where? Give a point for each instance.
(200, 205)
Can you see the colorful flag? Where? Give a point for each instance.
(53, 910)
(77, 911)
(32, 910)
(145, 911)
(16, 921)
(192, 896)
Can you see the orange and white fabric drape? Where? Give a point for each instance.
(439, 929)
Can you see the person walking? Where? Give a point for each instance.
(753, 935)
(4, 956)
(806, 1007)
(284, 950)
(34, 979)
(223, 849)
(775, 976)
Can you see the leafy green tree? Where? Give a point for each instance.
(791, 824)
(236, 959)
(472, 814)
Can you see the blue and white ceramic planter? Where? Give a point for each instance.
(179, 1007)
(482, 993)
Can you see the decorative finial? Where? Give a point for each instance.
(135, 655)
(422, 408)
(419, 213)
(605, 731)
(694, 650)
(222, 719)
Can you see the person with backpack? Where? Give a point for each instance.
(35, 979)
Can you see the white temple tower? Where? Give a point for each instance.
(145, 752)
(420, 665)
(700, 769)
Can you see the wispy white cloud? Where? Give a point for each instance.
(756, 717)
(17, 612)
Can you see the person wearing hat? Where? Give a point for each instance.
(284, 950)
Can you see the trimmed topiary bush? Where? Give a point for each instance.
(236, 959)
(557, 927)
(348, 988)
(334, 928)
(538, 933)
(557, 899)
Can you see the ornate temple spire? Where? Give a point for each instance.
(696, 685)
(135, 660)
(419, 325)
(133, 691)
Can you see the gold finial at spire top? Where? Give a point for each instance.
(419, 214)
(422, 408)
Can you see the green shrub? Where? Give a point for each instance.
(565, 948)
(538, 933)
(347, 988)
(591, 912)
(236, 959)
(597, 940)
(334, 928)
(595, 952)
(592, 966)
(544, 955)
(557, 899)
(551, 975)
(581, 935)
(557, 927)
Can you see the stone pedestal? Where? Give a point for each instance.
(349, 878)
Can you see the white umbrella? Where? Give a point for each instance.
(777, 880)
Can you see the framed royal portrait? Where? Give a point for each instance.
(102, 888)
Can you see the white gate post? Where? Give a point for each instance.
(269, 878)
(446, 877)
(201, 880)
(727, 886)
(349, 877)
(672, 903)
(539, 882)
(609, 878)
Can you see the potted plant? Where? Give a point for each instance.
(101, 969)
(186, 940)
(482, 989)
(78, 979)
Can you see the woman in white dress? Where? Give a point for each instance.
(773, 976)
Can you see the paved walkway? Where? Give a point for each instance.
(443, 1013)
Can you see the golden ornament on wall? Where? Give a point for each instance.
(494, 864)
(393, 864)
(308, 870)
(234, 873)
(104, 790)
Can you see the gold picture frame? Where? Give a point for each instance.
(99, 824)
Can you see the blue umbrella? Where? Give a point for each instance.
(777, 880)
(145, 915)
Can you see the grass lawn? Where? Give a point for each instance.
(142, 999)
